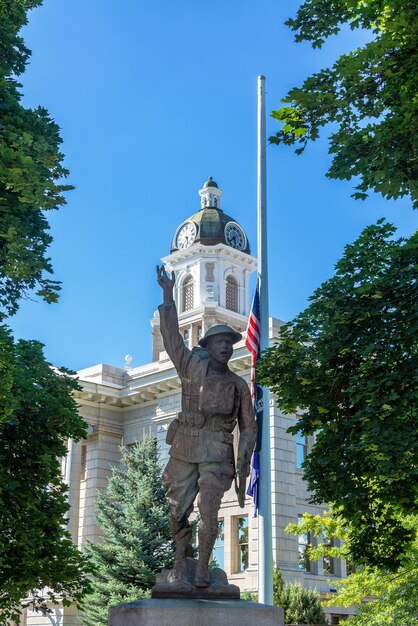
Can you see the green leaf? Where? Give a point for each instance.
(347, 366)
(367, 97)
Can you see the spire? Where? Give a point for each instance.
(210, 195)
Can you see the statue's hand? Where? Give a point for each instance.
(166, 283)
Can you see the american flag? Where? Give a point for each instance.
(252, 342)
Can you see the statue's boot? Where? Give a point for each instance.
(179, 572)
(183, 549)
(206, 542)
(202, 578)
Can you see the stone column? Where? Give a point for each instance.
(102, 453)
(72, 479)
(314, 565)
(284, 502)
(339, 565)
(60, 616)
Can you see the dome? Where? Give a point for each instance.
(210, 183)
(210, 225)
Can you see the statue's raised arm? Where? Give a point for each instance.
(166, 283)
(169, 325)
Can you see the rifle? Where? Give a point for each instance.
(240, 478)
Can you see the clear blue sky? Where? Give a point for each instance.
(152, 98)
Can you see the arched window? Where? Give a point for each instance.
(187, 293)
(232, 294)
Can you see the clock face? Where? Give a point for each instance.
(186, 235)
(235, 236)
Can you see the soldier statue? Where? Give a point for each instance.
(201, 463)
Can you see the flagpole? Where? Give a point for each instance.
(265, 547)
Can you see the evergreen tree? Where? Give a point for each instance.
(302, 606)
(133, 515)
(278, 587)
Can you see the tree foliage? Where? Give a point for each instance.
(302, 606)
(133, 515)
(381, 597)
(327, 525)
(369, 95)
(30, 172)
(349, 365)
(37, 409)
(37, 415)
(278, 587)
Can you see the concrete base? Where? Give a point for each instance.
(189, 612)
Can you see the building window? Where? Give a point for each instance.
(242, 542)
(338, 619)
(199, 333)
(187, 293)
(218, 550)
(83, 462)
(301, 449)
(328, 560)
(186, 338)
(232, 294)
(303, 545)
(351, 567)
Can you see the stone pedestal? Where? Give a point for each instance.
(190, 612)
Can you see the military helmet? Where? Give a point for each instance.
(220, 329)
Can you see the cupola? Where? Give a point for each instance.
(210, 225)
(210, 195)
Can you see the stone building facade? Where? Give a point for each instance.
(211, 257)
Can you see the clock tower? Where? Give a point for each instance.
(211, 257)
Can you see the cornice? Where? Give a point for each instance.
(198, 250)
(211, 309)
(104, 429)
(142, 388)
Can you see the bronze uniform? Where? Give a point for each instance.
(201, 461)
